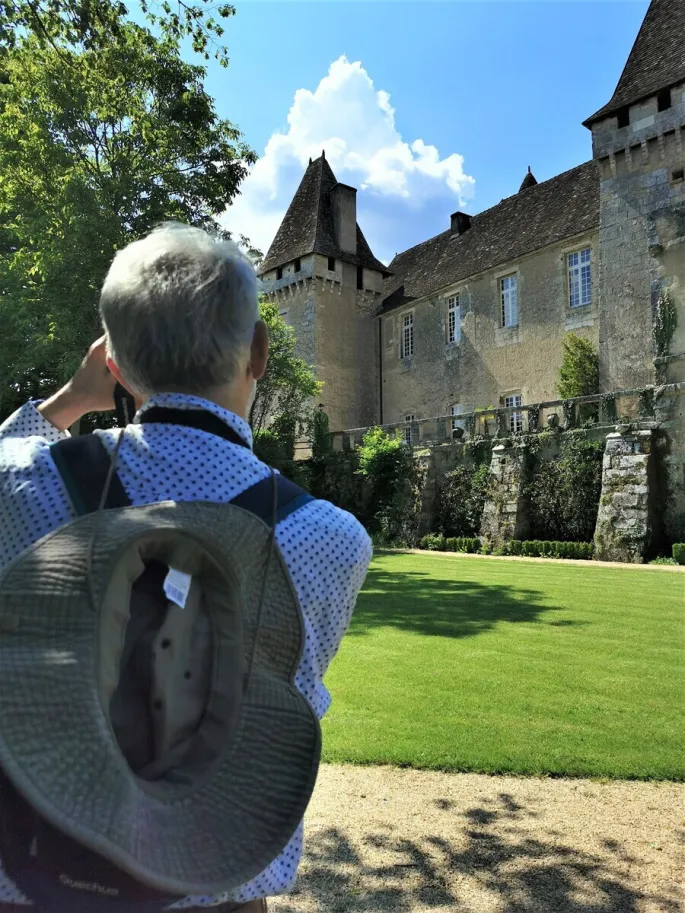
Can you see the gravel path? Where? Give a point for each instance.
(383, 839)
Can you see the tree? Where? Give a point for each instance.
(579, 372)
(94, 24)
(88, 164)
(285, 393)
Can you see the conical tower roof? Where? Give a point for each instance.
(308, 227)
(528, 181)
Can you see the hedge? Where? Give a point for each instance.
(458, 544)
(679, 552)
(530, 549)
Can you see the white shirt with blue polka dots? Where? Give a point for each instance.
(326, 550)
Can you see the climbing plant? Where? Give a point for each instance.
(394, 477)
(461, 499)
(579, 372)
(564, 493)
(664, 324)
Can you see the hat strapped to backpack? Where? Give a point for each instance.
(171, 744)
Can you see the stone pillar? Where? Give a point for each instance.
(625, 521)
(505, 514)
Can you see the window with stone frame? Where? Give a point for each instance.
(580, 278)
(454, 319)
(407, 343)
(409, 419)
(515, 418)
(509, 300)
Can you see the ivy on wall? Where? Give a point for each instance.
(563, 494)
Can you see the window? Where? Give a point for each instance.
(623, 117)
(663, 100)
(298, 265)
(509, 296)
(331, 264)
(453, 319)
(407, 336)
(678, 175)
(515, 418)
(580, 278)
(360, 278)
(279, 272)
(407, 431)
(457, 409)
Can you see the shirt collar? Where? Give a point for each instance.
(186, 401)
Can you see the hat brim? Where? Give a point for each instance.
(211, 834)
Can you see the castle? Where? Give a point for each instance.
(477, 315)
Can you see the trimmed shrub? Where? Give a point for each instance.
(679, 552)
(433, 543)
(462, 544)
(534, 548)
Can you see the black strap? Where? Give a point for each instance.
(199, 419)
(84, 464)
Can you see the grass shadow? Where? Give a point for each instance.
(417, 602)
(519, 874)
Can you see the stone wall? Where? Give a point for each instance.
(642, 233)
(627, 521)
(336, 331)
(505, 515)
(489, 362)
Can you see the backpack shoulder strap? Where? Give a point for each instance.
(259, 498)
(84, 463)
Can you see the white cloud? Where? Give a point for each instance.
(355, 124)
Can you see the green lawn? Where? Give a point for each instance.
(484, 665)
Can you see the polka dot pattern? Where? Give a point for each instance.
(326, 549)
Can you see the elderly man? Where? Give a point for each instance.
(182, 333)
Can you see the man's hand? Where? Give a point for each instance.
(91, 389)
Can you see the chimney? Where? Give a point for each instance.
(461, 222)
(344, 203)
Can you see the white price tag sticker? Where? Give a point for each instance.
(177, 586)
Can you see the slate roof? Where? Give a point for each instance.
(657, 60)
(543, 214)
(308, 228)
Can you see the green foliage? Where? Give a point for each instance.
(679, 552)
(95, 24)
(321, 438)
(88, 163)
(469, 545)
(543, 549)
(461, 499)
(664, 324)
(579, 372)
(663, 560)
(394, 476)
(564, 493)
(335, 478)
(285, 392)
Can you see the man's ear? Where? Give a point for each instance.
(259, 351)
(114, 369)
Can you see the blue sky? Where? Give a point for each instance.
(427, 107)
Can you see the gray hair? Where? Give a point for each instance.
(179, 308)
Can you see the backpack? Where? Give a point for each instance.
(165, 781)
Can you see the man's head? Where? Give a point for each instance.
(181, 314)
